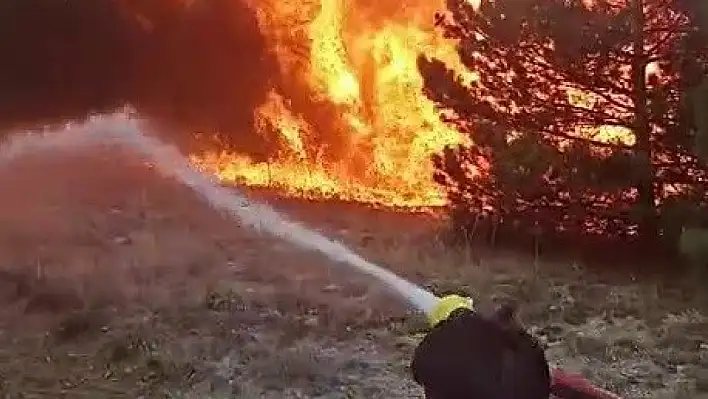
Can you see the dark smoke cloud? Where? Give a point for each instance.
(199, 65)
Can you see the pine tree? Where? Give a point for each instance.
(554, 76)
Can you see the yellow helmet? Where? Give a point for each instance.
(447, 305)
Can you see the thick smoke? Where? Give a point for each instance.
(198, 65)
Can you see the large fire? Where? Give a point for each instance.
(351, 74)
(356, 58)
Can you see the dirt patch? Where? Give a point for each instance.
(115, 283)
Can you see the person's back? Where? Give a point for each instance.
(468, 356)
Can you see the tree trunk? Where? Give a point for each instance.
(648, 223)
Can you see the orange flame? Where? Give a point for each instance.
(361, 60)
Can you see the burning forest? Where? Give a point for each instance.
(329, 98)
(317, 99)
(547, 126)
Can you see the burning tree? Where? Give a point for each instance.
(576, 118)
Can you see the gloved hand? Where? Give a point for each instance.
(468, 355)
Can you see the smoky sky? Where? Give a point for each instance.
(202, 65)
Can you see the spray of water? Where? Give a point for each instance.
(73, 137)
(122, 129)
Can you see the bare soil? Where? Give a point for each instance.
(117, 283)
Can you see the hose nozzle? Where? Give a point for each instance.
(446, 305)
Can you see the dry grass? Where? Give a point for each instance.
(118, 284)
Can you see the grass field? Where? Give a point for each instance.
(116, 283)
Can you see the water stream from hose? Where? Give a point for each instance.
(121, 128)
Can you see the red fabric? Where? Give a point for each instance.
(567, 385)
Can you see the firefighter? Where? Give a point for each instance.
(467, 355)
